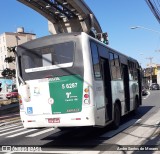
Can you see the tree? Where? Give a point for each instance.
(7, 72)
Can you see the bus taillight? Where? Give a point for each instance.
(86, 96)
(20, 101)
(86, 90)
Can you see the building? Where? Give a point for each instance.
(158, 74)
(152, 74)
(11, 39)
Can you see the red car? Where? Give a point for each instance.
(12, 94)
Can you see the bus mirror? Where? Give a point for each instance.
(25, 92)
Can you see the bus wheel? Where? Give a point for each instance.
(117, 117)
(136, 105)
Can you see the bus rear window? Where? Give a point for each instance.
(49, 57)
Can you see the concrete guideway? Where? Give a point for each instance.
(65, 16)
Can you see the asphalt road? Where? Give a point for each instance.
(137, 134)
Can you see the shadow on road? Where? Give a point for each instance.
(88, 138)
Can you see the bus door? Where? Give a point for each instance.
(126, 87)
(105, 70)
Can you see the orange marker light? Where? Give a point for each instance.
(86, 90)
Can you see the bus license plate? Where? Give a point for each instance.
(54, 120)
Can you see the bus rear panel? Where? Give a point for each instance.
(56, 92)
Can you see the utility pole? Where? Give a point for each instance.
(150, 59)
(151, 69)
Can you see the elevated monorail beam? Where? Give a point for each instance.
(65, 16)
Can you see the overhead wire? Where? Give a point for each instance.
(155, 8)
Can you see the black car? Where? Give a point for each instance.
(154, 86)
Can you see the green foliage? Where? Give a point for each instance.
(8, 73)
(9, 59)
(11, 49)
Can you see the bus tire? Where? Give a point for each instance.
(136, 105)
(117, 117)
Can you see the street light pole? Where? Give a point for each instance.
(150, 58)
(136, 27)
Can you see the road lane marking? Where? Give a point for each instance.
(3, 127)
(12, 131)
(41, 132)
(24, 132)
(121, 128)
(138, 121)
(10, 122)
(3, 130)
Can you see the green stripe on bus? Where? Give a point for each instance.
(66, 92)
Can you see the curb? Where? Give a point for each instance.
(10, 121)
(9, 116)
(9, 109)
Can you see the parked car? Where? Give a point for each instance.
(154, 86)
(144, 91)
(12, 94)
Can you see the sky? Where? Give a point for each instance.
(115, 17)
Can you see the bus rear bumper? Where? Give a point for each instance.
(84, 118)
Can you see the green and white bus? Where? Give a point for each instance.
(70, 80)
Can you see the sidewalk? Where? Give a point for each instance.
(145, 134)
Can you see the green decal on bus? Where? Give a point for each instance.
(66, 92)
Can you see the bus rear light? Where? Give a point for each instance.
(86, 90)
(31, 121)
(86, 96)
(86, 101)
(20, 102)
(76, 119)
(20, 99)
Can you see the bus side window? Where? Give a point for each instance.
(115, 66)
(133, 71)
(95, 59)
